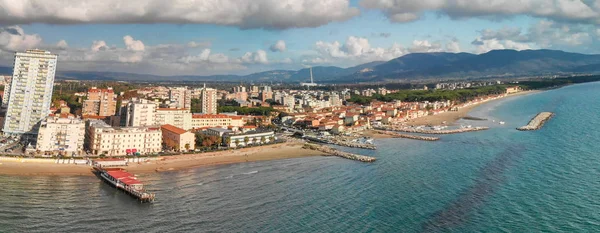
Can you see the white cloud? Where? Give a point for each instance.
(258, 57)
(132, 44)
(270, 14)
(62, 45)
(562, 10)
(424, 46)
(13, 38)
(279, 46)
(453, 46)
(485, 46)
(354, 49)
(98, 45)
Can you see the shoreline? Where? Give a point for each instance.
(451, 117)
(47, 167)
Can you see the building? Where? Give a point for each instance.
(181, 97)
(61, 134)
(236, 140)
(178, 117)
(266, 93)
(30, 91)
(100, 102)
(217, 132)
(140, 112)
(216, 120)
(178, 139)
(208, 100)
(514, 89)
(101, 138)
(7, 81)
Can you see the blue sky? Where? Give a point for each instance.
(239, 37)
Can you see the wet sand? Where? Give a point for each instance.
(10, 166)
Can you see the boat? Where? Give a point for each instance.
(502, 122)
(125, 181)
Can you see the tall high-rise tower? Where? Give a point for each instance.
(30, 91)
(208, 99)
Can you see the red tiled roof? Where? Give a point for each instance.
(173, 129)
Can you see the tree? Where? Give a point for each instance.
(187, 146)
(237, 142)
(246, 140)
(263, 139)
(271, 138)
(228, 141)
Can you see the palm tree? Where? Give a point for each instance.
(228, 141)
(246, 139)
(271, 139)
(263, 139)
(187, 147)
(237, 142)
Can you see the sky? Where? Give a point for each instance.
(207, 37)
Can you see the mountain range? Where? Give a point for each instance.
(496, 63)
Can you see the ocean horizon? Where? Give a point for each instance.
(497, 180)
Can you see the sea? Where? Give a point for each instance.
(499, 180)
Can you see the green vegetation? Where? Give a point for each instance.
(432, 95)
(557, 82)
(257, 111)
(69, 98)
(206, 141)
(196, 106)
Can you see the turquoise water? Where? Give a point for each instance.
(500, 180)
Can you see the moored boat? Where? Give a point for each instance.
(123, 180)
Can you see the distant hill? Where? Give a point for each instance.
(496, 63)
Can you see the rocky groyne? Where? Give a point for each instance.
(343, 143)
(430, 131)
(408, 136)
(537, 122)
(333, 152)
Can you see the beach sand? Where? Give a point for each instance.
(452, 116)
(167, 163)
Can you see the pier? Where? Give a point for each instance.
(408, 136)
(331, 151)
(428, 131)
(537, 122)
(342, 143)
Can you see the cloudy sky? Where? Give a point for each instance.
(203, 37)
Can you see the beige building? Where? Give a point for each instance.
(140, 112)
(178, 117)
(178, 139)
(216, 120)
(100, 102)
(61, 134)
(104, 139)
(30, 91)
(208, 100)
(181, 97)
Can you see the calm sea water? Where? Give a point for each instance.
(500, 180)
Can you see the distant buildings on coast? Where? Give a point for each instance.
(152, 119)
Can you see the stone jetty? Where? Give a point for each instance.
(408, 136)
(343, 143)
(537, 122)
(333, 152)
(429, 131)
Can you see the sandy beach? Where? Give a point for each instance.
(167, 163)
(452, 116)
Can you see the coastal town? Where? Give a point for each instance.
(77, 121)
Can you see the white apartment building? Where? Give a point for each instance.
(104, 139)
(178, 117)
(208, 100)
(181, 97)
(61, 134)
(140, 112)
(30, 91)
